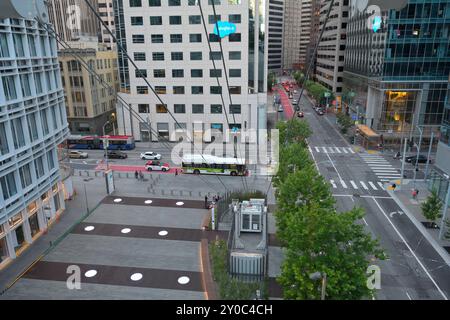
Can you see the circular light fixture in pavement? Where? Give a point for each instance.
(180, 203)
(163, 233)
(117, 200)
(136, 276)
(89, 228)
(90, 273)
(183, 280)
(125, 230)
(148, 201)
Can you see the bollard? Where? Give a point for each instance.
(171, 192)
(190, 193)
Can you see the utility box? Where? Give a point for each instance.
(251, 215)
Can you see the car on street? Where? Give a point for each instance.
(150, 156)
(295, 101)
(413, 159)
(280, 108)
(157, 166)
(295, 91)
(117, 155)
(300, 114)
(74, 154)
(320, 111)
(290, 96)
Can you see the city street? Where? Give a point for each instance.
(414, 269)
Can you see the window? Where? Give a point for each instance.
(195, 37)
(235, 90)
(32, 126)
(156, 20)
(25, 176)
(154, 3)
(51, 160)
(180, 126)
(31, 45)
(4, 49)
(44, 122)
(235, 73)
(160, 89)
(215, 55)
(138, 38)
(196, 55)
(235, 108)
(178, 90)
(158, 56)
(38, 83)
(139, 56)
(18, 45)
(210, 2)
(159, 73)
(177, 73)
(141, 73)
(179, 108)
(196, 73)
(173, 3)
(215, 90)
(4, 149)
(234, 18)
(175, 19)
(177, 56)
(137, 21)
(135, 3)
(143, 108)
(8, 185)
(192, 2)
(197, 90)
(17, 131)
(157, 38)
(39, 166)
(216, 108)
(213, 73)
(195, 20)
(142, 89)
(234, 55)
(9, 88)
(176, 38)
(211, 19)
(25, 82)
(234, 37)
(197, 108)
(217, 126)
(53, 111)
(161, 108)
(214, 37)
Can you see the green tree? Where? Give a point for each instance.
(431, 208)
(299, 77)
(294, 131)
(344, 121)
(292, 157)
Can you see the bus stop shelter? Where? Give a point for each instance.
(369, 139)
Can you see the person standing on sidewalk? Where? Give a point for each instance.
(141, 176)
(206, 202)
(136, 175)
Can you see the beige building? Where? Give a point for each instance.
(88, 104)
(330, 53)
(106, 11)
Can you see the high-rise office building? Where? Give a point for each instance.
(73, 20)
(275, 36)
(32, 125)
(166, 40)
(106, 11)
(398, 75)
(313, 37)
(330, 53)
(291, 34)
(305, 31)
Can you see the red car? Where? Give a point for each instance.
(300, 114)
(157, 166)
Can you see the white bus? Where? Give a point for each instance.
(209, 164)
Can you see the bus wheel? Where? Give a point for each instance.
(196, 171)
(233, 173)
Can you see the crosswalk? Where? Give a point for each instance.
(381, 167)
(342, 150)
(357, 185)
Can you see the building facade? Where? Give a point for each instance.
(313, 38)
(305, 31)
(399, 74)
(73, 20)
(89, 104)
(106, 11)
(166, 40)
(291, 34)
(32, 124)
(275, 35)
(330, 53)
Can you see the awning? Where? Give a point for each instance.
(366, 131)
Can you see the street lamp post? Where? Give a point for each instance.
(428, 156)
(105, 144)
(320, 276)
(417, 157)
(86, 198)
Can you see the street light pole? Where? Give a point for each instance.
(417, 157)
(86, 199)
(403, 163)
(105, 144)
(324, 286)
(428, 156)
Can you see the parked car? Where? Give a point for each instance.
(78, 155)
(150, 156)
(320, 111)
(300, 114)
(413, 159)
(295, 91)
(157, 166)
(280, 108)
(117, 155)
(295, 101)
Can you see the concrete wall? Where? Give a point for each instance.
(443, 157)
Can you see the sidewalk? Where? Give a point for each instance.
(75, 210)
(412, 208)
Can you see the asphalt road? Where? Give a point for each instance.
(414, 269)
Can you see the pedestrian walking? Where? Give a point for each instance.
(176, 172)
(414, 193)
(141, 176)
(206, 202)
(136, 175)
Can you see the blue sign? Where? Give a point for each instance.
(354, 117)
(376, 24)
(225, 28)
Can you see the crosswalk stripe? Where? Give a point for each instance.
(372, 185)
(345, 151)
(380, 165)
(364, 185)
(317, 149)
(337, 149)
(385, 170)
(381, 185)
(324, 150)
(344, 184)
(390, 177)
(331, 149)
(333, 184)
(351, 150)
(353, 184)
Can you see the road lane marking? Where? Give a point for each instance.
(351, 150)
(364, 185)
(309, 148)
(381, 185)
(337, 149)
(363, 219)
(344, 184)
(353, 184)
(372, 185)
(317, 149)
(332, 163)
(331, 149)
(409, 248)
(324, 149)
(345, 151)
(407, 294)
(333, 184)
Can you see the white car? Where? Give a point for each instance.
(157, 166)
(150, 156)
(78, 155)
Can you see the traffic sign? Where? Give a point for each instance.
(354, 117)
(327, 94)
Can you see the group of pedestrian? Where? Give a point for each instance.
(215, 199)
(139, 175)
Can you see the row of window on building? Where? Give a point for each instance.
(195, 73)
(194, 90)
(196, 108)
(194, 56)
(178, 38)
(174, 20)
(177, 3)
(20, 41)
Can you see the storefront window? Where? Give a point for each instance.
(20, 236)
(32, 207)
(55, 188)
(3, 250)
(398, 110)
(15, 220)
(56, 201)
(34, 225)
